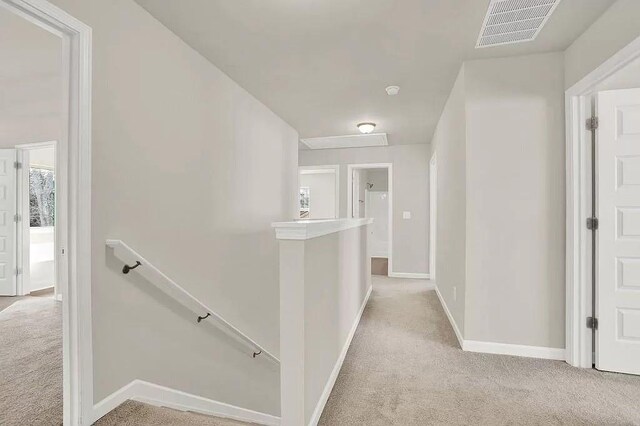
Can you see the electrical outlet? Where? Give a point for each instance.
(455, 294)
(406, 215)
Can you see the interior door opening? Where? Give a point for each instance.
(319, 196)
(37, 220)
(370, 195)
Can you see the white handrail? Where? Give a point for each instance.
(172, 289)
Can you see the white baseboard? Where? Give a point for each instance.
(500, 348)
(514, 350)
(315, 417)
(451, 320)
(112, 401)
(412, 275)
(161, 396)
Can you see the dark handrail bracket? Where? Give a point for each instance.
(127, 268)
(255, 354)
(204, 317)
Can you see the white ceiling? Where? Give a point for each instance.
(323, 65)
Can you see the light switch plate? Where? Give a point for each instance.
(406, 215)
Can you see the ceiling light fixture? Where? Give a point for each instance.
(366, 128)
(392, 90)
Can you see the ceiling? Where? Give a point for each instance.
(323, 65)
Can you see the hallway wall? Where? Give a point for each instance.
(190, 170)
(411, 193)
(616, 28)
(450, 144)
(501, 208)
(515, 200)
(30, 82)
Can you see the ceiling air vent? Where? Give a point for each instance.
(514, 21)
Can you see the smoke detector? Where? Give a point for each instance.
(514, 21)
(392, 90)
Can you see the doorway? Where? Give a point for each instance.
(72, 210)
(319, 196)
(36, 242)
(603, 219)
(370, 194)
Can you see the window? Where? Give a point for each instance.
(42, 197)
(304, 202)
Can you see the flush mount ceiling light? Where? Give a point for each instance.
(392, 90)
(366, 128)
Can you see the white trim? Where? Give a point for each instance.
(331, 381)
(433, 214)
(578, 194)
(412, 275)
(75, 145)
(112, 401)
(330, 168)
(389, 167)
(307, 229)
(452, 321)
(172, 289)
(514, 350)
(161, 396)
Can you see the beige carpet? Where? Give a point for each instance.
(133, 413)
(6, 301)
(31, 362)
(404, 367)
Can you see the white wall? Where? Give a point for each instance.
(501, 201)
(190, 170)
(30, 82)
(449, 142)
(379, 178)
(515, 200)
(324, 282)
(41, 258)
(322, 194)
(616, 28)
(626, 78)
(411, 188)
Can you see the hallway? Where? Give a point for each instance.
(404, 367)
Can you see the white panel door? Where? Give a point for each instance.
(7, 223)
(618, 246)
(377, 207)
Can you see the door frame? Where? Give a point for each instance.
(389, 167)
(578, 346)
(330, 168)
(23, 212)
(75, 147)
(433, 214)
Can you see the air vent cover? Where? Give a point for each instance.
(514, 21)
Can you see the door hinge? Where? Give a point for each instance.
(592, 123)
(17, 218)
(592, 223)
(18, 271)
(592, 323)
(17, 165)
